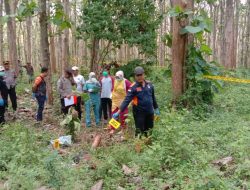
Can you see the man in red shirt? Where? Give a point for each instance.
(39, 92)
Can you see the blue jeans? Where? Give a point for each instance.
(95, 103)
(41, 101)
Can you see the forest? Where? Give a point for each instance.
(70, 68)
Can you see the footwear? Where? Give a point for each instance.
(105, 122)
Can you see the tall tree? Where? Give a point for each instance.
(228, 60)
(1, 33)
(10, 10)
(247, 51)
(44, 43)
(179, 51)
(66, 37)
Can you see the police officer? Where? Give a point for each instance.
(144, 103)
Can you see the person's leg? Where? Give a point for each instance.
(41, 101)
(13, 98)
(96, 111)
(104, 108)
(109, 108)
(123, 117)
(2, 111)
(149, 123)
(87, 113)
(78, 107)
(64, 109)
(139, 122)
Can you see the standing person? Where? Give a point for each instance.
(10, 79)
(30, 72)
(79, 80)
(39, 92)
(144, 103)
(121, 87)
(92, 87)
(107, 84)
(64, 87)
(3, 95)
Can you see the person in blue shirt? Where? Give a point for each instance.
(144, 103)
(92, 87)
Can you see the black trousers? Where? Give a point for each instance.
(106, 105)
(65, 109)
(2, 111)
(143, 122)
(13, 98)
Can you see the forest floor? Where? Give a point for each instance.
(186, 152)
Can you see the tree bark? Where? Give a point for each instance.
(94, 55)
(11, 36)
(1, 34)
(229, 36)
(66, 38)
(43, 19)
(247, 51)
(52, 51)
(179, 50)
(29, 36)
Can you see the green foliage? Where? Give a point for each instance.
(199, 89)
(133, 22)
(72, 123)
(26, 9)
(128, 69)
(58, 16)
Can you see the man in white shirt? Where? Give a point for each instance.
(107, 84)
(80, 82)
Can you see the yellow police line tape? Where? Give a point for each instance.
(229, 79)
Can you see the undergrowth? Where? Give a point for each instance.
(181, 154)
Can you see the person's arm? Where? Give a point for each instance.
(127, 84)
(127, 100)
(154, 99)
(60, 87)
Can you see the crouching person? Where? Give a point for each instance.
(39, 92)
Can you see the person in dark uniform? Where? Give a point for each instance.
(3, 95)
(144, 103)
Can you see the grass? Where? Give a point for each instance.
(181, 155)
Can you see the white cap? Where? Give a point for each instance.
(75, 68)
(2, 68)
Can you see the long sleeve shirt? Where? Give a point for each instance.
(64, 87)
(143, 98)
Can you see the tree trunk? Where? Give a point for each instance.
(11, 35)
(1, 34)
(66, 38)
(43, 19)
(236, 33)
(229, 36)
(179, 50)
(52, 51)
(94, 55)
(29, 36)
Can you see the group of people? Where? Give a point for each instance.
(108, 96)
